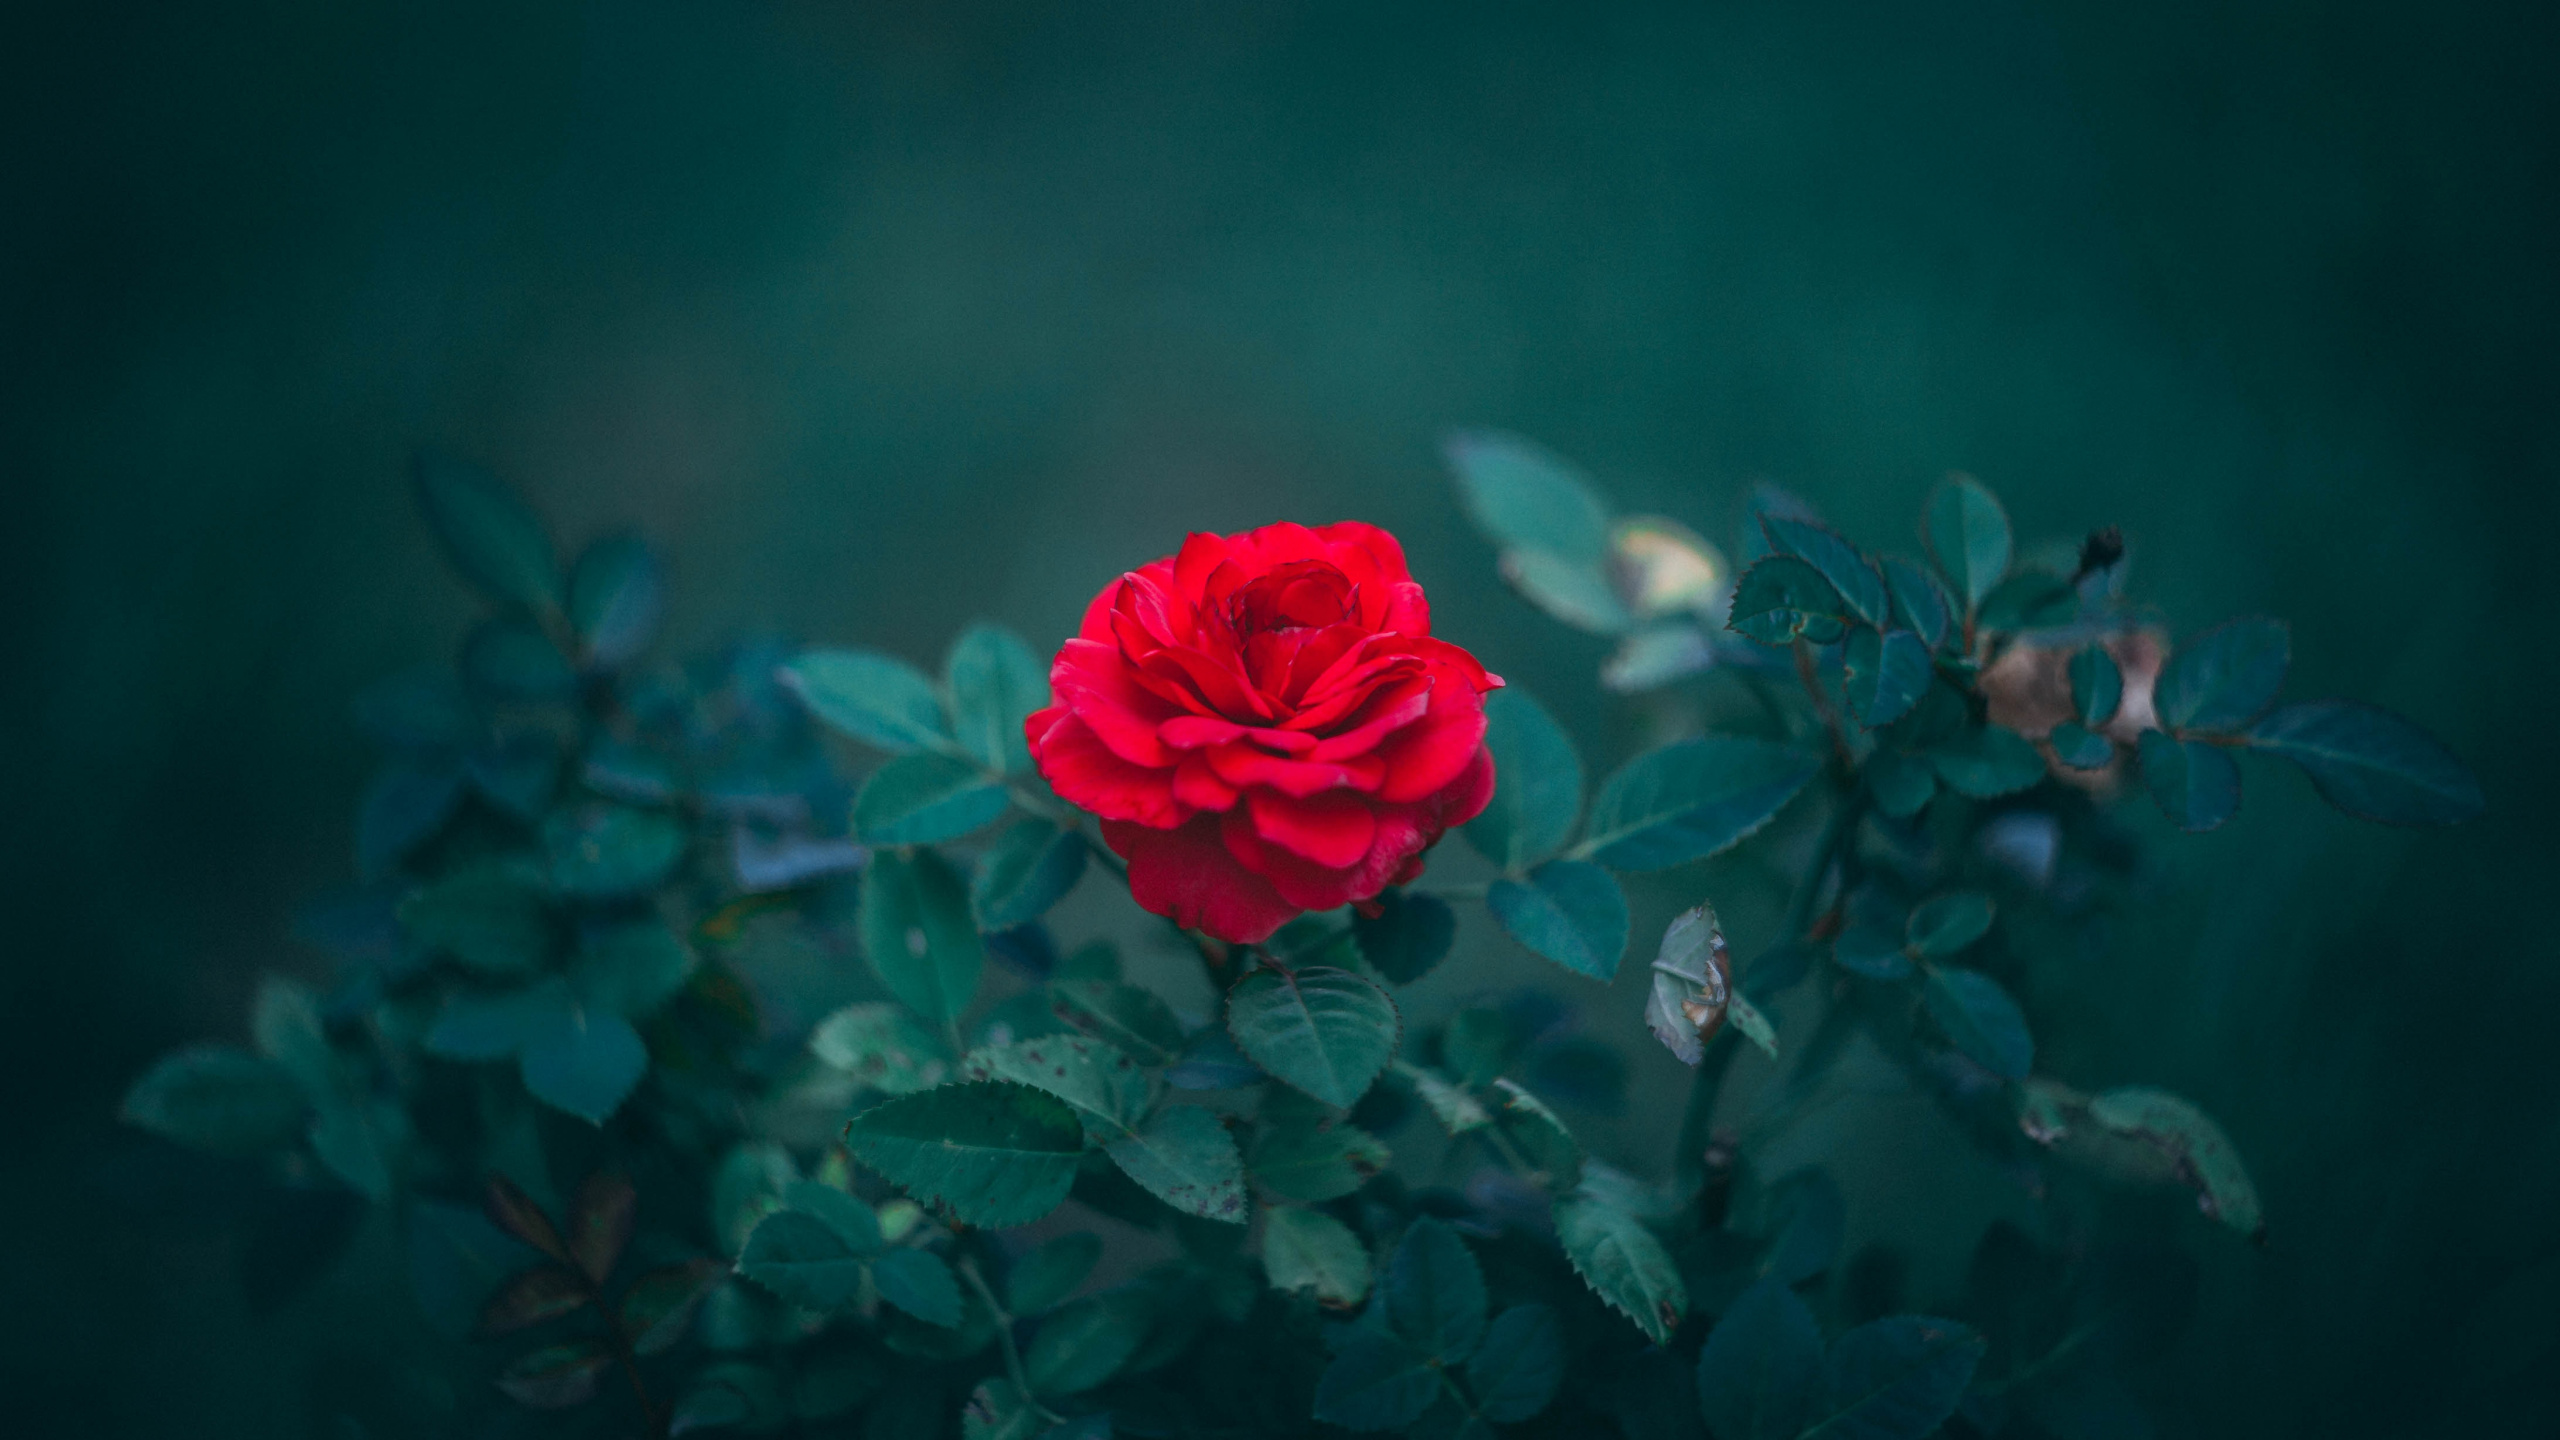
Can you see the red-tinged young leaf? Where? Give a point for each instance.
(601, 1225)
(558, 1377)
(654, 1310)
(542, 1293)
(513, 1211)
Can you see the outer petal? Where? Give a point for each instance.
(1085, 773)
(1467, 795)
(1401, 832)
(1243, 766)
(1425, 756)
(1186, 875)
(1333, 829)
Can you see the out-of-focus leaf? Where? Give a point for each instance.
(1661, 567)
(1870, 950)
(733, 1394)
(542, 1293)
(628, 773)
(883, 1046)
(511, 659)
(630, 968)
(2081, 748)
(488, 533)
(880, 700)
(1902, 784)
(1457, 1111)
(1185, 1158)
(1579, 1070)
(920, 1283)
(602, 851)
(918, 933)
(854, 1222)
(659, 1304)
(1131, 1017)
(1572, 591)
(1533, 1129)
(1898, 1378)
(2198, 1145)
(803, 1260)
(1310, 1250)
(1888, 672)
(490, 917)
(422, 708)
(357, 1139)
(1085, 1343)
(925, 798)
(2371, 763)
(219, 1098)
(1409, 935)
(512, 1210)
(2225, 677)
(1517, 1367)
(996, 1153)
(406, 803)
(558, 1377)
(1537, 793)
(1919, 603)
(616, 595)
(1755, 1027)
(1525, 498)
(1479, 1043)
(2097, 685)
(998, 1410)
(1811, 1218)
(1211, 1061)
(600, 1223)
(1377, 1382)
(995, 682)
(2031, 599)
(284, 1020)
(1105, 1086)
(476, 1025)
(1981, 1019)
(587, 1065)
(1569, 911)
(1041, 1280)
(1691, 799)
(1305, 1158)
(1782, 598)
(517, 773)
(1947, 924)
(1761, 1368)
(1030, 867)
(456, 1259)
(747, 1185)
(1326, 1031)
(1435, 1292)
(1968, 533)
(2195, 784)
(1850, 574)
(1692, 985)
(1987, 762)
(1622, 1263)
(1657, 655)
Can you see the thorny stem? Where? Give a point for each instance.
(968, 1268)
(1822, 704)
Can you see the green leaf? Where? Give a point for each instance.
(421, 708)
(1655, 656)
(1457, 1111)
(658, 1306)
(1946, 924)
(854, 1222)
(880, 700)
(357, 1140)
(2202, 1151)
(1919, 602)
(1981, 1019)
(1479, 1043)
(1898, 1378)
(1376, 1382)
(1872, 951)
(801, 1259)
(995, 682)
(2195, 784)
(2097, 686)
(918, 932)
(1755, 1027)
(1515, 1370)
(883, 1046)
(1030, 867)
(920, 1283)
(1782, 598)
(1968, 535)
(1307, 1158)
(1409, 935)
(616, 595)
(1902, 784)
(1811, 1219)
(1572, 591)
(1310, 1250)
(1211, 1061)
(1888, 672)
(1537, 791)
(1987, 762)
(924, 798)
(1106, 1087)
(1525, 498)
(602, 851)
(219, 1098)
(404, 805)
(1186, 1159)
(1761, 1367)
(479, 1025)
(488, 533)
(1622, 1263)
(998, 1410)
(2081, 748)
(1131, 1017)
(1850, 574)
(2371, 763)
(586, 1064)
(1570, 911)
(2029, 600)
(285, 1022)
(1086, 1343)
(1541, 1139)
(998, 1154)
(1326, 1031)
(2225, 677)
(1692, 799)
(1042, 1279)
(489, 917)
(558, 1376)
(510, 659)
(630, 968)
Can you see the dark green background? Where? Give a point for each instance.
(881, 316)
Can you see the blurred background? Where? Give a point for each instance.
(882, 316)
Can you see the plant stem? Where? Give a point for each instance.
(658, 1420)
(968, 1268)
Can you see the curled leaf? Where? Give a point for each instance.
(1692, 985)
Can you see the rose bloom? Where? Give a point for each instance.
(1265, 726)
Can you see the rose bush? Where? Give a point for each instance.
(1265, 725)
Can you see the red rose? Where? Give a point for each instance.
(1266, 726)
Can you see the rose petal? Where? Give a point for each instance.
(1332, 829)
(1426, 755)
(1401, 833)
(1245, 766)
(1187, 875)
(1390, 708)
(1085, 773)
(1195, 784)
